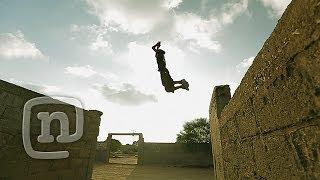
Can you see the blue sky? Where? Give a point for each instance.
(99, 51)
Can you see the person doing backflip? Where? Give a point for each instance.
(169, 84)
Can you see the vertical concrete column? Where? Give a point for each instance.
(108, 147)
(220, 98)
(95, 118)
(140, 149)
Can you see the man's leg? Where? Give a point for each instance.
(177, 82)
(169, 83)
(184, 84)
(179, 87)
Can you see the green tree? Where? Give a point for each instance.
(195, 131)
(129, 149)
(115, 145)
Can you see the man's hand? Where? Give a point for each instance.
(156, 46)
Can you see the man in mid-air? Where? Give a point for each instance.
(168, 83)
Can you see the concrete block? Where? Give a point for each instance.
(2, 108)
(84, 153)
(39, 165)
(14, 114)
(61, 164)
(246, 121)
(306, 145)
(281, 157)
(11, 168)
(261, 159)
(77, 163)
(246, 159)
(11, 100)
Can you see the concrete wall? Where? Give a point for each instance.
(101, 152)
(177, 154)
(270, 127)
(16, 164)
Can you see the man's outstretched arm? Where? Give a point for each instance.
(156, 46)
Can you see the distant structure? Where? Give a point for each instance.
(103, 149)
(270, 128)
(169, 154)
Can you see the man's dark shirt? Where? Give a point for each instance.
(161, 62)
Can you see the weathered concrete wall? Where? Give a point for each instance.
(104, 148)
(177, 154)
(101, 152)
(270, 128)
(220, 98)
(14, 161)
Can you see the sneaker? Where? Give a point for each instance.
(185, 84)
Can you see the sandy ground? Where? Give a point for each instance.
(126, 160)
(148, 172)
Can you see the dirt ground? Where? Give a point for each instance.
(147, 172)
(124, 160)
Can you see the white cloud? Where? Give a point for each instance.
(14, 45)
(109, 76)
(245, 64)
(75, 28)
(170, 4)
(87, 71)
(233, 10)
(127, 95)
(101, 45)
(48, 89)
(200, 31)
(44, 88)
(136, 17)
(95, 35)
(142, 17)
(277, 6)
(81, 71)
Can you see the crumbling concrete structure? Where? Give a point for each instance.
(177, 154)
(103, 151)
(270, 128)
(15, 163)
